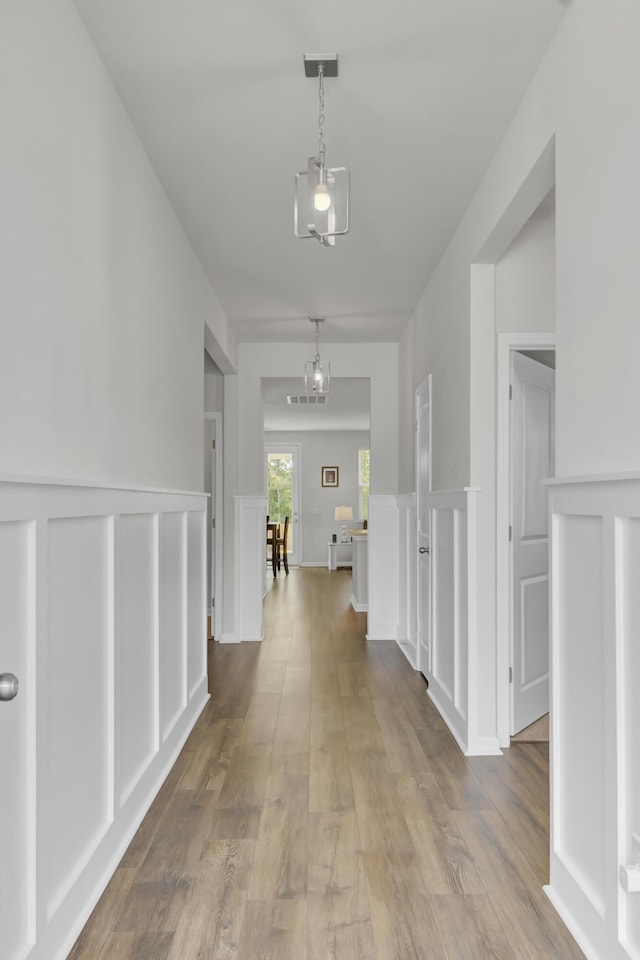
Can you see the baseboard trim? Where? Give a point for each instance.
(442, 707)
(382, 631)
(574, 928)
(484, 747)
(409, 650)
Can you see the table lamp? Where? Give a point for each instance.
(344, 514)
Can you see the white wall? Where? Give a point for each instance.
(407, 410)
(103, 313)
(588, 84)
(338, 448)
(213, 386)
(578, 124)
(377, 361)
(436, 341)
(103, 302)
(524, 287)
(243, 426)
(525, 279)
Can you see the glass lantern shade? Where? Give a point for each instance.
(324, 225)
(317, 376)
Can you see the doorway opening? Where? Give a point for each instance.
(332, 466)
(213, 484)
(526, 442)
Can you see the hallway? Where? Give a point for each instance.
(320, 809)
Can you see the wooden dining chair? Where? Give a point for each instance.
(281, 542)
(272, 545)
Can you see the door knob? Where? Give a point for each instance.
(8, 686)
(423, 550)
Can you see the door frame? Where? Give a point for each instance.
(295, 521)
(425, 387)
(506, 343)
(218, 512)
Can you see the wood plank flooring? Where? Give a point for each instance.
(320, 809)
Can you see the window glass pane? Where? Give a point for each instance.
(279, 485)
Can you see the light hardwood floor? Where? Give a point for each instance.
(320, 809)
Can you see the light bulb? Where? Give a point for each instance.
(321, 198)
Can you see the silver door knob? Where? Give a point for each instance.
(8, 686)
(423, 550)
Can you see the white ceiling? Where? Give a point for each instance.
(346, 407)
(217, 91)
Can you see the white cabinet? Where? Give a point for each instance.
(359, 598)
(340, 555)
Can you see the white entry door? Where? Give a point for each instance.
(16, 744)
(282, 481)
(423, 488)
(532, 460)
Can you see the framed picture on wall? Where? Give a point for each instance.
(329, 476)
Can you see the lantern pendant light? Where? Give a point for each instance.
(317, 372)
(322, 192)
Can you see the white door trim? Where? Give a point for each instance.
(506, 342)
(425, 386)
(218, 512)
(424, 389)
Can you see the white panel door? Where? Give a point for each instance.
(423, 488)
(214, 521)
(215, 533)
(532, 460)
(16, 751)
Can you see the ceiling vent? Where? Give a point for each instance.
(305, 399)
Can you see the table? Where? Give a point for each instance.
(340, 554)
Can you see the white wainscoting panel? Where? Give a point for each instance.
(137, 652)
(196, 601)
(579, 741)
(595, 677)
(446, 641)
(78, 698)
(453, 675)
(102, 618)
(17, 807)
(407, 630)
(452, 517)
(382, 590)
(173, 625)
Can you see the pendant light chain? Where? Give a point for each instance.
(321, 204)
(321, 144)
(317, 372)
